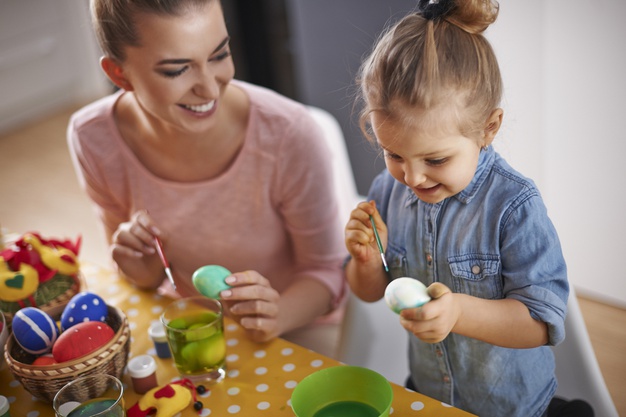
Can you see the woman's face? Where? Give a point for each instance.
(427, 154)
(182, 67)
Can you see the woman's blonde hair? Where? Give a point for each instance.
(432, 58)
(114, 21)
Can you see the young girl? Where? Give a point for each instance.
(222, 171)
(454, 215)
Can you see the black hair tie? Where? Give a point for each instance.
(434, 9)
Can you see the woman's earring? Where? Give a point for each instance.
(484, 148)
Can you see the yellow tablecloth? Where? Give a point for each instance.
(260, 377)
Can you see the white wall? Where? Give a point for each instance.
(563, 63)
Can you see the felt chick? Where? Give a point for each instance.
(168, 400)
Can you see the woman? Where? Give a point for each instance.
(221, 171)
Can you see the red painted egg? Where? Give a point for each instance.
(81, 339)
(45, 360)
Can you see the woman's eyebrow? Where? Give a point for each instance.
(179, 61)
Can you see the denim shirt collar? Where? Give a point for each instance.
(485, 162)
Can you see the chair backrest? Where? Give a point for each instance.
(345, 186)
(577, 368)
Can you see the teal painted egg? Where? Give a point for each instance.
(404, 292)
(209, 280)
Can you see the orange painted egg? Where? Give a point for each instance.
(81, 339)
(45, 360)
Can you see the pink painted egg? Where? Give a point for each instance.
(81, 339)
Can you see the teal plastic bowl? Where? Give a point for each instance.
(342, 390)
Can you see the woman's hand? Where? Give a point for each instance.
(133, 250)
(253, 303)
(433, 321)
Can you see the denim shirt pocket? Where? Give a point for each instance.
(396, 261)
(477, 275)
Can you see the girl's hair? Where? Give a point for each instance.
(114, 21)
(435, 56)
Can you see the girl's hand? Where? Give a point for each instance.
(135, 238)
(359, 234)
(433, 321)
(253, 303)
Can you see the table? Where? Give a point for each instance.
(260, 376)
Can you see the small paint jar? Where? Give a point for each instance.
(4, 406)
(157, 334)
(142, 371)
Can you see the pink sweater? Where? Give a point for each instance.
(272, 211)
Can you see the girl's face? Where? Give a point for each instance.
(427, 154)
(182, 67)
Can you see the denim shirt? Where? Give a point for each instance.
(493, 240)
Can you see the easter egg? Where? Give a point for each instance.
(209, 280)
(45, 360)
(403, 293)
(34, 330)
(81, 339)
(84, 306)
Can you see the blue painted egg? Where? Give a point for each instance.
(404, 292)
(209, 280)
(84, 306)
(34, 330)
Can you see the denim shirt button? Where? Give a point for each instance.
(446, 379)
(429, 259)
(476, 269)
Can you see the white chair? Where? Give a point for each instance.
(371, 334)
(577, 368)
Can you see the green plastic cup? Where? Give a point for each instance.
(342, 390)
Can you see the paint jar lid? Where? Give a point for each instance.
(4, 405)
(141, 366)
(157, 332)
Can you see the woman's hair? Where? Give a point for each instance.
(114, 21)
(434, 57)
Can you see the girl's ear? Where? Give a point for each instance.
(492, 125)
(114, 71)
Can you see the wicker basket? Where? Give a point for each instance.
(44, 382)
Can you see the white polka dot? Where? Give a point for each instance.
(262, 387)
(232, 358)
(260, 371)
(83, 307)
(260, 354)
(134, 299)
(96, 302)
(132, 325)
(205, 412)
(157, 310)
(234, 409)
(317, 363)
(85, 319)
(233, 391)
(291, 384)
(33, 414)
(113, 289)
(234, 373)
(446, 405)
(286, 351)
(14, 384)
(263, 405)
(73, 306)
(206, 394)
(417, 406)
(288, 367)
(231, 327)
(132, 312)
(232, 342)
(151, 351)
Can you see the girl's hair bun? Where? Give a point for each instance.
(434, 9)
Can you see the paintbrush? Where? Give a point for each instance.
(380, 245)
(166, 264)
